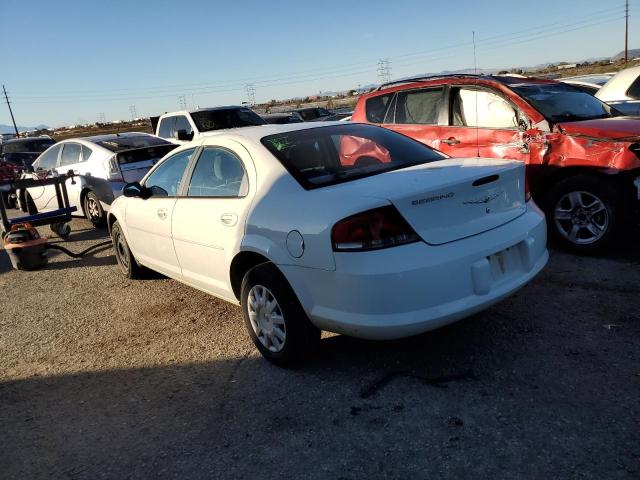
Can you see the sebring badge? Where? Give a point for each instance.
(486, 199)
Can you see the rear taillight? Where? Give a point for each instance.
(113, 170)
(371, 230)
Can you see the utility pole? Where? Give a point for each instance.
(626, 31)
(10, 111)
(384, 70)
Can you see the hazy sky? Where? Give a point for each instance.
(68, 61)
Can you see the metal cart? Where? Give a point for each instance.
(58, 219)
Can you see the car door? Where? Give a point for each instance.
(419, 113)
(44, 197)
(482, 123)
(209, 220)
(70, 160)
(148, 220)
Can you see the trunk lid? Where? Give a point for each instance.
(451, 199)
(136, 162)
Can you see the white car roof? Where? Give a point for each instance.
(257, 133)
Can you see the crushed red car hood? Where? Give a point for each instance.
(616, 128)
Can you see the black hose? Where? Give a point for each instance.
(82, 253)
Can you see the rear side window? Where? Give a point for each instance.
(218, 173)
(166, 127)
(376, 107)
(634, 90)
(70, 154)
(86, 153)
(48, 159)
(473, 107)
(419, 106)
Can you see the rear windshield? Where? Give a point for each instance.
(36, 145)
(207, 120)
(322, 156)
(559, 102)
(141, 154)
(118, 144)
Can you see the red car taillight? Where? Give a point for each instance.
(371, 230)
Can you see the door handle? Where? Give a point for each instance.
(162, 213)
(229, 219)
(450, 141)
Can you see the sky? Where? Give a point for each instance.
(66, 62)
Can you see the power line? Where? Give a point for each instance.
(4, 90)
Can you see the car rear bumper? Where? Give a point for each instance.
(407, 290)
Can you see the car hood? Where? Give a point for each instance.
(616, 128)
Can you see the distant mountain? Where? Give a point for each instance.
(9, 128)
(633, 53)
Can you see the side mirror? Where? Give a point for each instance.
(183, 135)
(134, 189)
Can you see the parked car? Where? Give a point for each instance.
(184, 126)
(588, 83)
(334, 117)
(312, 113)
(103, 165)
(582, 156)
(21, 152)
(623, 91)
(349, 228)
(282, 118)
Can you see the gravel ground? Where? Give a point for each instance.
(101, 377)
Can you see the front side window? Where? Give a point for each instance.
(419, 106)
(166, 179)
(322, 156)
(218, 173)
(476, 107)
(48, 159)
(70, 154)
(376, 107)
(166, 127)
(559, 102)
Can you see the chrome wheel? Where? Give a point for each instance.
(581, 217)
(93, 209)
(266, 318)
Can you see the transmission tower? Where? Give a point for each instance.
(384, 70)
(182, 102)
(101, 118)
(132, 110)
(250, 89)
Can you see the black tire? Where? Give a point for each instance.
(301, 336)
(30, 204)
(595, 231)
(126, 261)
(93, 210)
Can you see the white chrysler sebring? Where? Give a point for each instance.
(349, 228)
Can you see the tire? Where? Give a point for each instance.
(126, 261)
(584, 214)
(93, 210)
(30, 204)
(290, 338)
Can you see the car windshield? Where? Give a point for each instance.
(124, 142)
(207, 120)
(323, 156)
(559, 102)
(18, 146)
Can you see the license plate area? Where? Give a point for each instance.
(505, 263)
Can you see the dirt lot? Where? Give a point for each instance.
(101, 377)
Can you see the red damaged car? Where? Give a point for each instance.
(582, 156)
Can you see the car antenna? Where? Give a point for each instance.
(475, 69)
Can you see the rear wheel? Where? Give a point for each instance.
(93, 210)
(274, 318)
(124, 257)
(584, 214)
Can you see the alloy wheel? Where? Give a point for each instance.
(581, 217)
(92, 207)
(266, 318)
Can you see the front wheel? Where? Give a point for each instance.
(274, 318)
(93, 210)
(584, 214)
(124, 257)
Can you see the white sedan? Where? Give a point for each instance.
(349, 228)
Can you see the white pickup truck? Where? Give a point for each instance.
(183, 126)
